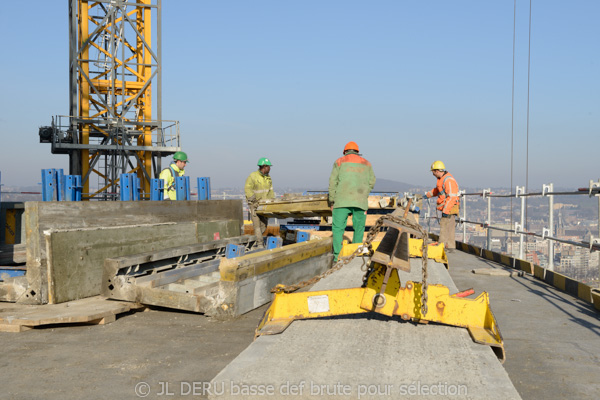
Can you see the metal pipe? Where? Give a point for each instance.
(464, 207)
(578, 192)
(551, 227)
(486, 193)
(521, 190)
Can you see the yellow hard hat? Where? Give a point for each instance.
(438, 165)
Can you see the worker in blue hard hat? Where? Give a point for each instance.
(258, 187)
(168, 175)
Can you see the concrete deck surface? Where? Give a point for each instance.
(552, 341)
(367, 356)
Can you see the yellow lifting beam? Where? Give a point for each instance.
(406, 302)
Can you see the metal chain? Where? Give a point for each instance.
(340, 263)
(375, 229)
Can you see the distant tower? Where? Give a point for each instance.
(114, 67)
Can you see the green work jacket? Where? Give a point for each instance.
(169, 180)
(351, 181)
(259, 185)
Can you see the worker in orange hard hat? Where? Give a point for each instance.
(350, 183)
(448, 202)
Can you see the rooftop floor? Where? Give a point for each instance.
(552, 343)
(552, 339)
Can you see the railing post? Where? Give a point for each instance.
(486, 194)
(549, 189)
(464, 208)
(521, 190)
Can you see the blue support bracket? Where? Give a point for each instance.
(73, 188)
(233, 251)
(204, 188)
(125, 194)
(157, 187)
(53, 184)
(302, 237)
(130, 187)
(274, 242)
(188, 188)
(182, 187)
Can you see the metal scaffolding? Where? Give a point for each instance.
(113, 65)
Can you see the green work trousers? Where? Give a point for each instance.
(340, 217)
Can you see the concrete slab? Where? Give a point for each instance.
(367, 356)
(43, 216)
(76, 257)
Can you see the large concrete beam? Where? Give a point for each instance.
(367, 356)
(76, 257)
(44, 216)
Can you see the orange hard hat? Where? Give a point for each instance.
(351, 146)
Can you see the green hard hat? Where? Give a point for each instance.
(264, 161)
(181, 156)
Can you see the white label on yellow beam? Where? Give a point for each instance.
(318, 304)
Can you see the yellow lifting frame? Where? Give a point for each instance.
(473, 314)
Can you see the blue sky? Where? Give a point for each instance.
(410, 81)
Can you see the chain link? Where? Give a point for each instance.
(368, 243)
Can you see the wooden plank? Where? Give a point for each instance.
(93, 310)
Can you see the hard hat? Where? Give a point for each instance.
(351, 146)
(264, 161)
(180, 156)
(438, 165)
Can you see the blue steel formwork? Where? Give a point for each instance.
(182, 186)
(56, 186)
(157, 187)
(204, 188)
(52, 184)
(130, 187)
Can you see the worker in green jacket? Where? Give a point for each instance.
(258, 187)
(168, 175)
(350, 183)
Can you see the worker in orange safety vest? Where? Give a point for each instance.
(448, 202)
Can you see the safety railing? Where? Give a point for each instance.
(520, 228)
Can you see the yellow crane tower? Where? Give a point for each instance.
(114, 65)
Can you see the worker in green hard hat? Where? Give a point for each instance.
(168, 175)
(258, 187)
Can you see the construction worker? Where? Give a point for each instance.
(168, 175)
(448, 203)
(350, 183)
(259, 186)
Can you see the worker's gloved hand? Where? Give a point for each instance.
(252, 201)
(329, 202)
(444, 215)
(425, 195)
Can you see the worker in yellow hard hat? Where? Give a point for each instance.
(448, 202)
(168, 175)
(350, 183)
(259, 186)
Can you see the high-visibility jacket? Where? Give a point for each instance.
(168, 176)
(446, 191)
(259, 185)
(351, 181)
